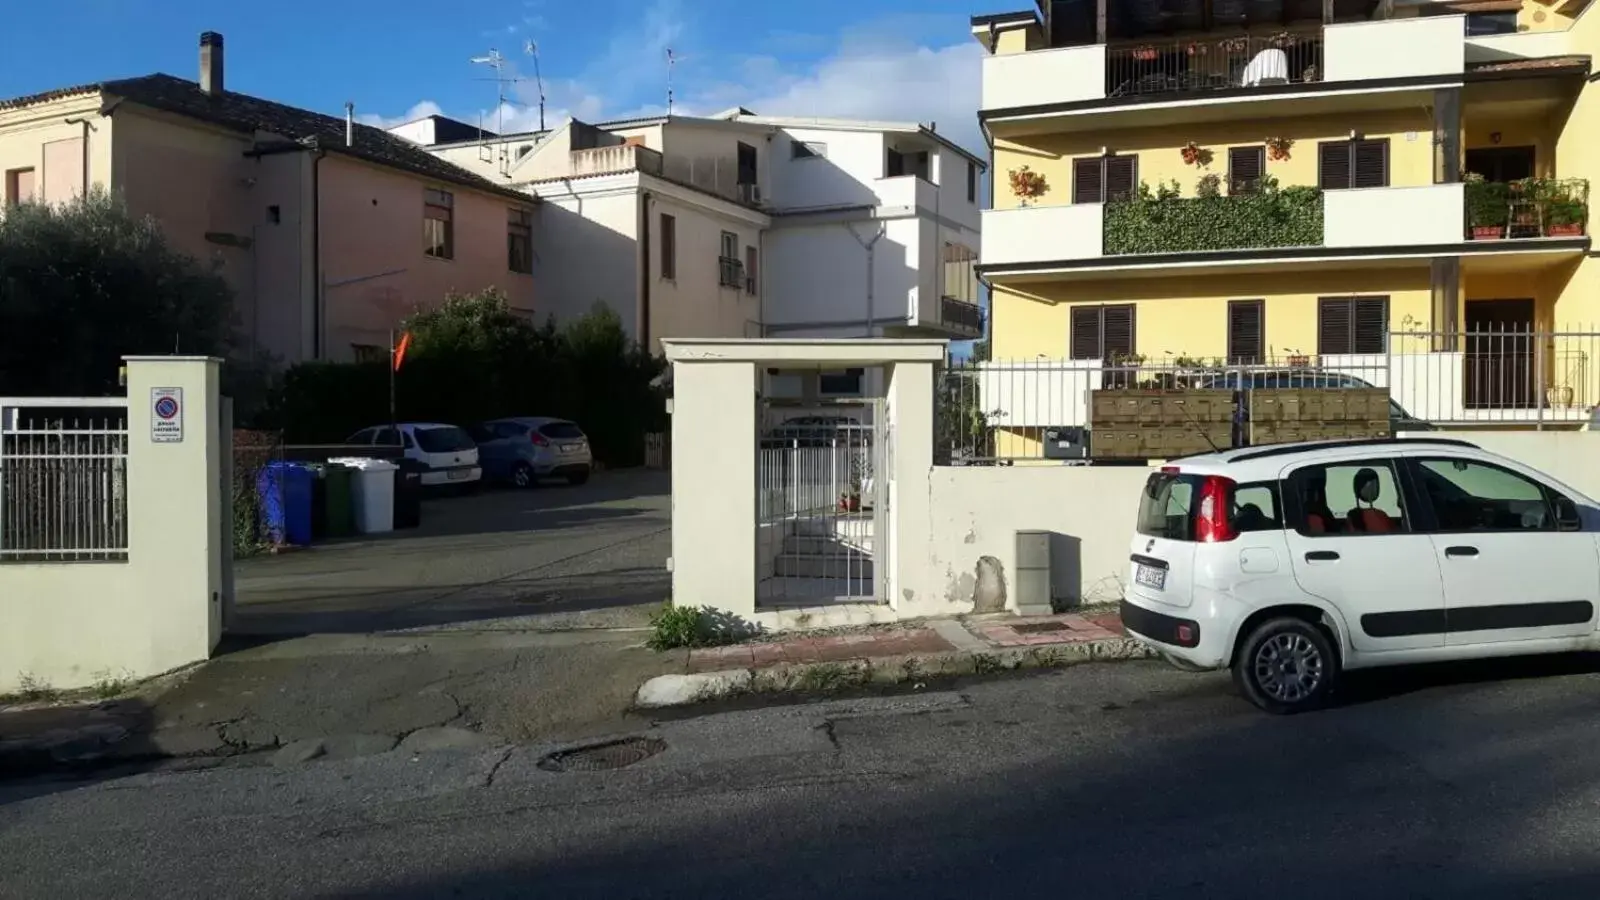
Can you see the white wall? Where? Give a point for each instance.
(1394, 48)
(817, 274)
(1062, 75)
(706, 155)
(1394, 216)
(952, 199)
(694, 305)
(844, 177)
(586, 251)
(1034, 234)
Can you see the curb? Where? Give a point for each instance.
(665, 691)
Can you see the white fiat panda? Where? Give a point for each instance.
(1291, 563)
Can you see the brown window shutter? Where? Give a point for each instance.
(1371, 165)
(1245, 168)
(1246, 338)
(1085, 336)
(1087, 185)
(1116, 323)
(1333, 326)
(1121, 177)
(1333, 165)
(1369, 330)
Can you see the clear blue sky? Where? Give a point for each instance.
(907, 59)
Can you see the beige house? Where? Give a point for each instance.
(329, 232)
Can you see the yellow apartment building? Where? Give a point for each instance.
(1392, 191)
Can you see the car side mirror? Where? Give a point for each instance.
(1567, 517)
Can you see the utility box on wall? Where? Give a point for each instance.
(1032, 575)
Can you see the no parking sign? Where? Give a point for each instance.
(166, 415)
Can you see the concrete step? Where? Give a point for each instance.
(810, 545)
(858, 567)
(847, 526)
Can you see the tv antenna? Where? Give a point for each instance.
(503, 78)
(672, 62)
(532, 49)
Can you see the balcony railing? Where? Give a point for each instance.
(961, 314)
(1527, 208)
(730, 272)
(1201, 64)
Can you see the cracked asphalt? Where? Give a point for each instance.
(1128, 781)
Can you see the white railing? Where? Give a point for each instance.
(63, 480)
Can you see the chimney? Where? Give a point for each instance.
(349, 123)
(211, 63)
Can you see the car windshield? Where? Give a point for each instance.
(561, 431)
(447, 439)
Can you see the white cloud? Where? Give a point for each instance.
(425, 108)
(881, 71)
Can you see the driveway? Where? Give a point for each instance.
(556, 557)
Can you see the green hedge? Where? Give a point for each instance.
(1290, 217)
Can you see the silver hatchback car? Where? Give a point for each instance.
(523, 450)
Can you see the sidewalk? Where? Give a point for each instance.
(892, 654)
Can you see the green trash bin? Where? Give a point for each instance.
(339, 503)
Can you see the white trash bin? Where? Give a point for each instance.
(372, 491)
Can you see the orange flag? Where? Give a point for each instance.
(400, 351)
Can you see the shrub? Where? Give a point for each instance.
(675, 627)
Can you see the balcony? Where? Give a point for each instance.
(1159, 222)
(1528, 208)
(960, 316)
(906, 192)
(614, 159)
(1081, 79)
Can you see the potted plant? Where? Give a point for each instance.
(1209, 185)
(1299, 361)
(1488, 208)
(1195, 155)
(1144, 53)
(1278, 148)
(1564, 216)
(1559, 396)
(1027, 185)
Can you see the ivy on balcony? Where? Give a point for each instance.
(1162, 221)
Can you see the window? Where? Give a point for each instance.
(1102, 332)
(1353, 164)
(845, 382)
(1347, 498)
(1255, 507)
(362, 437)
(519, 241)
(1352, 325)
(387, 437)
(1164, 506)
(1246, 165)
(1483, 23)
(1475, 496)
(729, 270)
(1099, 179)
(972, 182)
(438, 224)
(1247, 331)
(367, 353)
(751, 285)
(746, 164)
(448, 439)
(19, 186)
(275, 214)
(808, 150)
(669, 247)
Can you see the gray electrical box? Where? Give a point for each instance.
(1032, 577)
(1065, 442)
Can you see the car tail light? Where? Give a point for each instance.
(1212, 525)
(538, 439)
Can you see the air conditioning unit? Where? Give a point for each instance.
(750, 193)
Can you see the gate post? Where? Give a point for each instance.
(910, 469)
(714, 514)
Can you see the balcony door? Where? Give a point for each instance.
(1498, 368)
(1501, 164)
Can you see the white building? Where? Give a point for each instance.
(740, 225)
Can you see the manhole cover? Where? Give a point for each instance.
(1038, 627)
(600, 757)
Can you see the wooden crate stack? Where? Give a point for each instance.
(1146, 424)
(1280, 416)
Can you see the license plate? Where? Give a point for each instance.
(1150, 576)
(459, 474)
(571, 448)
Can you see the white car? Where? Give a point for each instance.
(446, 454)
(1291, 563)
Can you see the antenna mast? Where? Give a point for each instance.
(532, 49)
(672, 62)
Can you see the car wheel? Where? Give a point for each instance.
(522, 476)
(1286, 665)
(577, 478)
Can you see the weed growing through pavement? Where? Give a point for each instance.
(675, 627)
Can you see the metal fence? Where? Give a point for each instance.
(996, 411)
(63, 480)
(1199, 64)
(801, 476)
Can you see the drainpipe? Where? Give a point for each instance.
(645, 198)
(318, 300)
(872, 264)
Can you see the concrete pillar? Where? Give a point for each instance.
(910, 462)
(175, 503)
(714, 485)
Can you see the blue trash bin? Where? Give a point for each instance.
(285, 490)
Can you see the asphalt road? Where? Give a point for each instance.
(557, 556)
(1117, 781)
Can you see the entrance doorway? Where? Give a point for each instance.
(1498, 368)
(1501, 163)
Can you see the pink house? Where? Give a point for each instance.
(330, 232)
